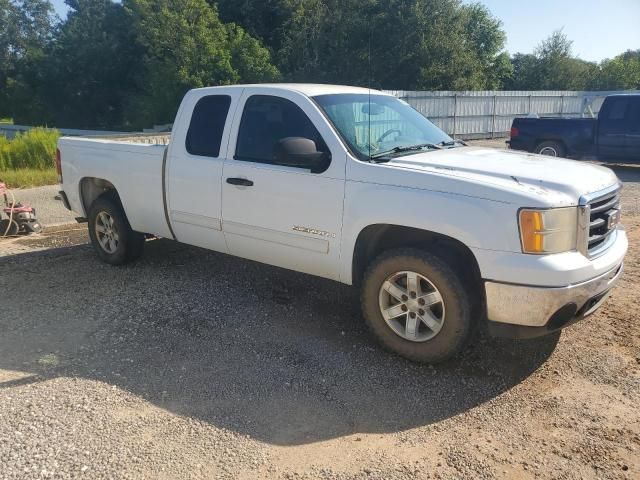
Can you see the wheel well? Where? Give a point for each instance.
(375, 239)
(92, 188)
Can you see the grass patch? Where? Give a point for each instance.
(35, 148)
(29, 159)
(6, 120)
(29, 177)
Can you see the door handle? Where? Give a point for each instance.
(242, 182)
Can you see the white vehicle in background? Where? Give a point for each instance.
(356, 186)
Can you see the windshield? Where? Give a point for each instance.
(373, 125)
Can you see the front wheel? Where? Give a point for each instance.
(111, 235)
(416, 305)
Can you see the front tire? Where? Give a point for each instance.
(416, 305)
(111, 235)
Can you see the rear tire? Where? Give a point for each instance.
(111, 235)
(551, 149)
(427, 316)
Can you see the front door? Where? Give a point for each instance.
(275, 213)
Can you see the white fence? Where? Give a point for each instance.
(489, 114)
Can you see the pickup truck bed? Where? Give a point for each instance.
(575, 134)
(140, 156)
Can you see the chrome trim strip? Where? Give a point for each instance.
(584, 220)
(600, 249)
(600, 194)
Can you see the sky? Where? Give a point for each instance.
(599, 28)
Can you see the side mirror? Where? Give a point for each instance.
(301, 152)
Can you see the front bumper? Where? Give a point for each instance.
(529, 311)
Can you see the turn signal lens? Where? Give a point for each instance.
(531, 230)
(548, 231)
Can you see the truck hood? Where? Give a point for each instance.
(555, 180)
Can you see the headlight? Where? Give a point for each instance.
(548, 231)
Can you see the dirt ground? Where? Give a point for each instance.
(192, 364)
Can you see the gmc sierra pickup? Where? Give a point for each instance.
(356, 186)
(614, 135)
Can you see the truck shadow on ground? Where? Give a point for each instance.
(280, 356)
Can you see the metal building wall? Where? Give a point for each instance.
(488, 114)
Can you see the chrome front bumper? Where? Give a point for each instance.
(548, 308)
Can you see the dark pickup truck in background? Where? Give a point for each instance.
(613, 135)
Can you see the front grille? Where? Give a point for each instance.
(600, 210)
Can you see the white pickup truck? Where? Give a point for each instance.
(354, 185)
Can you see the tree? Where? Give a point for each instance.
(551, 67)
(250, 60)
(394, 44)
(186, 46)
(90, 66)
(127, 65)
(26, 28)
(526, 75)
(557, 68)
(619, 73)
(262, 19)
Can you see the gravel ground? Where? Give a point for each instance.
(192, 364)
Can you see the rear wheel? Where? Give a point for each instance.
(416, 305)
(551, 149)
(111, 235)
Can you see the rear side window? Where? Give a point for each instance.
(265, 121)
(207, 124)
(617, 109)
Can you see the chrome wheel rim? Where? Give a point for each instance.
(412, 306)
(549, 151)
(107, 232)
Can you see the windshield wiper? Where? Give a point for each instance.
(409, 148)
(452, 143)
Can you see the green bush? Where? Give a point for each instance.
(34, 149)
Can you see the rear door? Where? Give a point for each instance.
(194, 167)
(614, 127)
(278, 214)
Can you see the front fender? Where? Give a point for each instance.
(476, 222)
